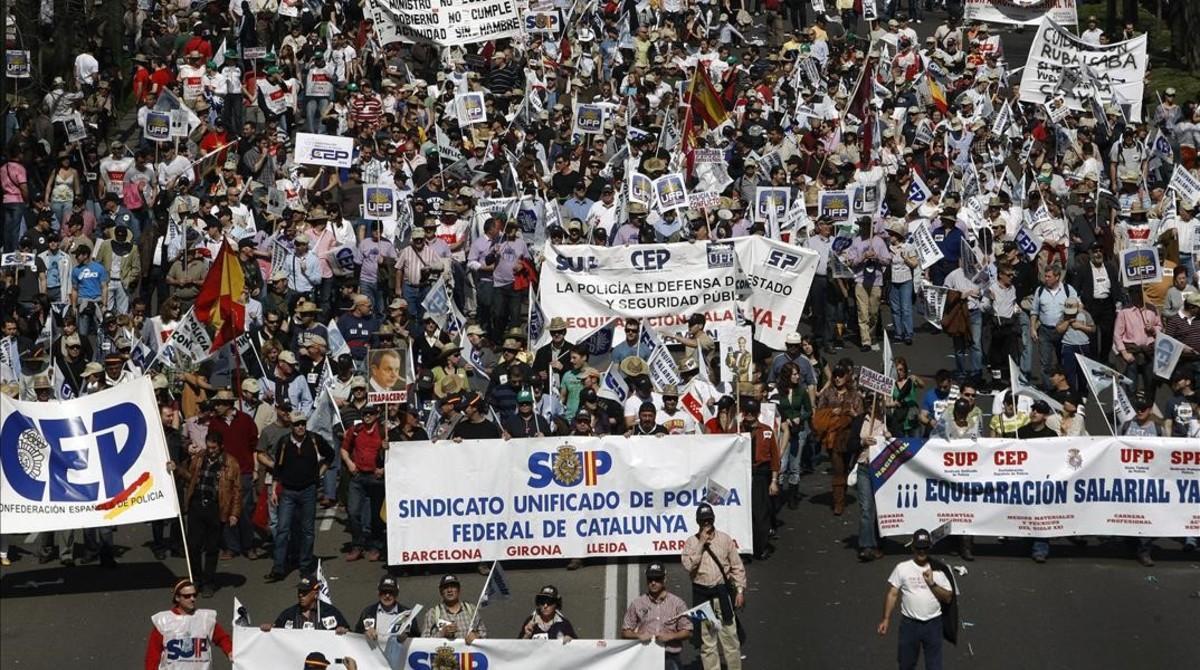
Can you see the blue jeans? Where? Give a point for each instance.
(313, 109)
(1049, 342)
(361, 510)
(917, 635)
(789, 466)
(329, 481)
(867, 537)
(240, 538)
(415, 295)
(968, 356)
(1070, 363)
(14, 225)
(375, 293)
(296, 506)
(900, 300)
(1026, 344)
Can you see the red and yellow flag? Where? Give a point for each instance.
(938, 95)
(220, 302)
(706, 102)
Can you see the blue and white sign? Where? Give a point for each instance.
(100, 460)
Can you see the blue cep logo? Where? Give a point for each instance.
(467, 660)
(330, 153)
(568, 467)
(45, 459)
(649, 259)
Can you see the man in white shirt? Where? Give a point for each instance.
(1093, 34)
(921, 592)
(86, 70)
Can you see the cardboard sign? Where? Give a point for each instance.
(875, 381)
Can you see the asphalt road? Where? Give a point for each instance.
(812, 605)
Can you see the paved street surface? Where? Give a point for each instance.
(812, 605)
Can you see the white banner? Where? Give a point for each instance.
(444, 22)
(1020, 12)
(928, 251)
(486, 500)
(328, 150)
(100, 460)
(1167, 351)
(1052, 487)
(288, 648)
(588, 285)
(1111, 72)
(1186, 185)
(774, 280)
(497, 654)
(188, 344)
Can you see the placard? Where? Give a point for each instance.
(471, 108)
(379, 202)
(444, 22)
(1020, 12)
(328, 150)
(834, 204)
(875, 381)
(158, 126)
(1140, 266)
(670, 190)
(387, 376)
(589, 119)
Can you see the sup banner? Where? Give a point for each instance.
(496, 654)
(100, 460)
(1148, 487)
(288, 648)
(1020, 12)
(773, 280)
(487, 500)
(589, 284)
(1110, 73)
(444, 22)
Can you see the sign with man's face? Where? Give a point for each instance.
(387, 380)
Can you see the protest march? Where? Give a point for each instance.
(464, 302)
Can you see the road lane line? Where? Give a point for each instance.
(632, 589)
(610, 601)
(327, 519)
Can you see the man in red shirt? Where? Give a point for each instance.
(366, 108)
(183, 636)
(361, 453)
(199, 43)
(764, 475)
(241, 438)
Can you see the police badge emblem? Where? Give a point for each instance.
(567, 466)
(444, 658)
(1074, 459)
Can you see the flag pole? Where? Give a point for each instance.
(479, 602)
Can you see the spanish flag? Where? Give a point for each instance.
(938, 94)
(219, 302)
(706, 102)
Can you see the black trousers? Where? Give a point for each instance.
(204, 540)
(760, 504)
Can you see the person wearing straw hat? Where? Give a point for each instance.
(180, 627)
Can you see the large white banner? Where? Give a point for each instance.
(287, 648)
(485, 500)
(1020, 12)
(588, 285)
(496, 654)
(774, 279)
(327, 150)
(1148, 487)
(1059, 62)
(444, 22)
(100, 460)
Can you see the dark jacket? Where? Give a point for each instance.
(1082, 278)
(370, 612)
(229, 484)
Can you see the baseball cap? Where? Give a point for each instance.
(448, 580)
(549, 592)
(704, 512)
(1040, 406)
(655, 571)
(316, 660)
(388, 585)
(525, 396)
(307, 583)
(921, 539)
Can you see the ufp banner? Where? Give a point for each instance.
(287, 648)
(644, 281)
(1051, 487)
(774, 279)
(496, 654)
(1117, 71)
(1020, 12)
(100, 460)
(485, 500)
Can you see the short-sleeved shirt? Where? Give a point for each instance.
(89, 280)
(916, 598)
(649, 616)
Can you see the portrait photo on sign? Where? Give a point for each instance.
(387, 377)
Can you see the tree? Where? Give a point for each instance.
(1184, 21)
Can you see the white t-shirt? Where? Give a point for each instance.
(916, 599)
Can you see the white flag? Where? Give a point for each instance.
(323, 586)
(337, 343)
(1167, 351)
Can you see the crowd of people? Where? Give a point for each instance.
(113, 240)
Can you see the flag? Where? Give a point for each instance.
(437, 301)
(714, 493)
(219, 303)
(472, 356)
(703, 613)
(536, 325)
(324, 414)
(62, 386)
(612, 384)
(1167, 351)
(599, 341)
(323, 586)
(241, 617)
(1162, 147)
(394, 650)
(918, 192)
(705, 101)
(887, 356)
(496, 585)
(938, 95)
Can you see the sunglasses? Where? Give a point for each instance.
(190, 596)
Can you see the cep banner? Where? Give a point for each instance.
(490, 500)
(328, 150)
(773, 279)
(444, 22)
(1050, 487)
(587, 285)
(1111, 73)
(100, 460)
(288, 648)
(1020, 12)
(496, 654)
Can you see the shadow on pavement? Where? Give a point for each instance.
(59, 580)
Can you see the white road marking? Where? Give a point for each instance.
(632, 587)
(610, 601)
(327, 518)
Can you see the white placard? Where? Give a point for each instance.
(444, 22)
(928, 251)
(774, 281)
(328, 150)
(485, 500)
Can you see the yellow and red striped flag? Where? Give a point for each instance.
(706, 102)
(220, 302)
